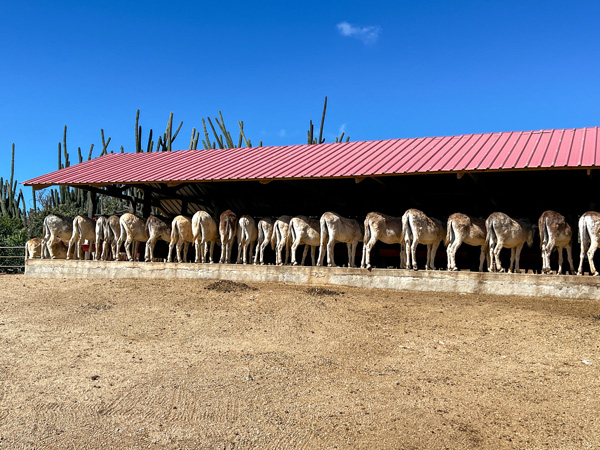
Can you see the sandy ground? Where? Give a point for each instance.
(156, 364)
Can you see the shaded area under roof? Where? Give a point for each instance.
(544, 149)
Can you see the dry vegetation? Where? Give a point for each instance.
(194, 364)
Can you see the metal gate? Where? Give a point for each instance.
(12, 259)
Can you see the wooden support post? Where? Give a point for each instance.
(184, 207)
(92, 204)
(147, 208)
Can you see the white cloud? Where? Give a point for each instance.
(368, 34)
(282, 133)
(342, 128)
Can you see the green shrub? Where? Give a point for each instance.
(12, 234)
(12, 231)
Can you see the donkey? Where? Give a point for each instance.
(281, 239)
(247, 235)
(420, 229)
(227, 230)
(589, 235)
(181, 238)
(265, 233)
(304, 230)
(335, 228)
(502, 231)
(555, 232)
(84, 228)
(205, 232)
(470, 230)
(386, 229)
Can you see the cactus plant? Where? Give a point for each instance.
(310, 134)
(13, 203)
(10, 201)
(194, 139)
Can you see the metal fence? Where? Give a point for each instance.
(12, 259)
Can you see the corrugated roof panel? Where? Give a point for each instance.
(565, 149)
(303, 162)
(352, 156)
(502, 154)
(260, 162)
(461, 161)
(412, 156)
(383, 149)
(389, 160)
(553, 146)
(516, 153)
(488, 152)
(272, 161)
(210, 162)
(423, 160)
(330, 156)
(169, 168)
(480, 152)
(481, 156)
(308, 163)
(450, 160)
(230, 163)
(528, 151)
(591, 150)
(542, 139)
(290, 160)
(419, 160)
(577, 150)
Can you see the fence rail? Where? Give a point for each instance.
(8, 261)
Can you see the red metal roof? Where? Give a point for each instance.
(544, 149)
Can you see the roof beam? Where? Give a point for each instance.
(168, 194)
(109, 192)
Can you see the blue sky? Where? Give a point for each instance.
(390, 70)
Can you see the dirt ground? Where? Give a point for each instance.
(194, 365)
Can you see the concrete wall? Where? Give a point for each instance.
(570, 287)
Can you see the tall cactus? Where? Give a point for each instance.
(194, 139)
(10, 201)
(224, 139)
(3, 198)
(104, 143)
(243, 136)
(138, 133)
(311, 139)
(166, 142)
(150, 143)
(310, 134)
(12, 165)
(216, 135)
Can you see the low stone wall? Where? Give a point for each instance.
(570, 287)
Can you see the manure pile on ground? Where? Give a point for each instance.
(318, 292)
(229, 286)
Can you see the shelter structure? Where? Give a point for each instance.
(520, 173)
